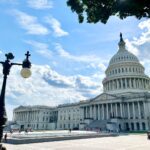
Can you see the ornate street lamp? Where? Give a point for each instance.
(25, 72)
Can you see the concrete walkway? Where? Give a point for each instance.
(50, 136)
(124, 142)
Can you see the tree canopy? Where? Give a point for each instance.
(100, 10)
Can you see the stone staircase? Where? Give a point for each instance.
(97, 124)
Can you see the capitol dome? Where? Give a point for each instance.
(125, 73)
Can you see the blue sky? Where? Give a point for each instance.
(68, 58)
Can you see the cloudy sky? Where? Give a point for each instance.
(68, 58)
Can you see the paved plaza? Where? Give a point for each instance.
(49, 136)
(122, 142)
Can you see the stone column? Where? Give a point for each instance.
(107, 111)
(139, 110)
(113, 84)
(116, 110)
(91, 112)
(94, 112)
(98, 112)
(121, 83)
(86, 112)
(82, 110)
(130, 84)
(142, 83)
(134, 83)
(109, 86)
(121, 110)
(125, 83)
(144, 109)
(128, 105)
(137, 83)
(102, 111)
(133, 107)
(21, 116)
(117, 83)
(111, 110)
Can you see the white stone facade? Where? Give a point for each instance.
(36, 117)
(123, 105)
(69, 116)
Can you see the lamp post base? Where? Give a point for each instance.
(2, 147)
(1, 138)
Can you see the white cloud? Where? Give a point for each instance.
(131, 47)
(47, 87)
(81, 58)
(40, 4)
(30, 23)
(145, 36)
(140, 45)
(41, 48)
(97, 66)
(56, 26)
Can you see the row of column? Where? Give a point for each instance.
(26, 116)
(130, 110)
(125, 83)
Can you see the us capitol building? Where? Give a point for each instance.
(124, 104)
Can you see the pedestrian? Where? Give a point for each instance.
(5, 137)
(69, 130)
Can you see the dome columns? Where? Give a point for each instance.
(126, 83)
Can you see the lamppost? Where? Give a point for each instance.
(25, 72)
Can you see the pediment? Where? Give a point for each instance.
(104, 96)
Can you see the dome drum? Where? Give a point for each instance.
(126, 84)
